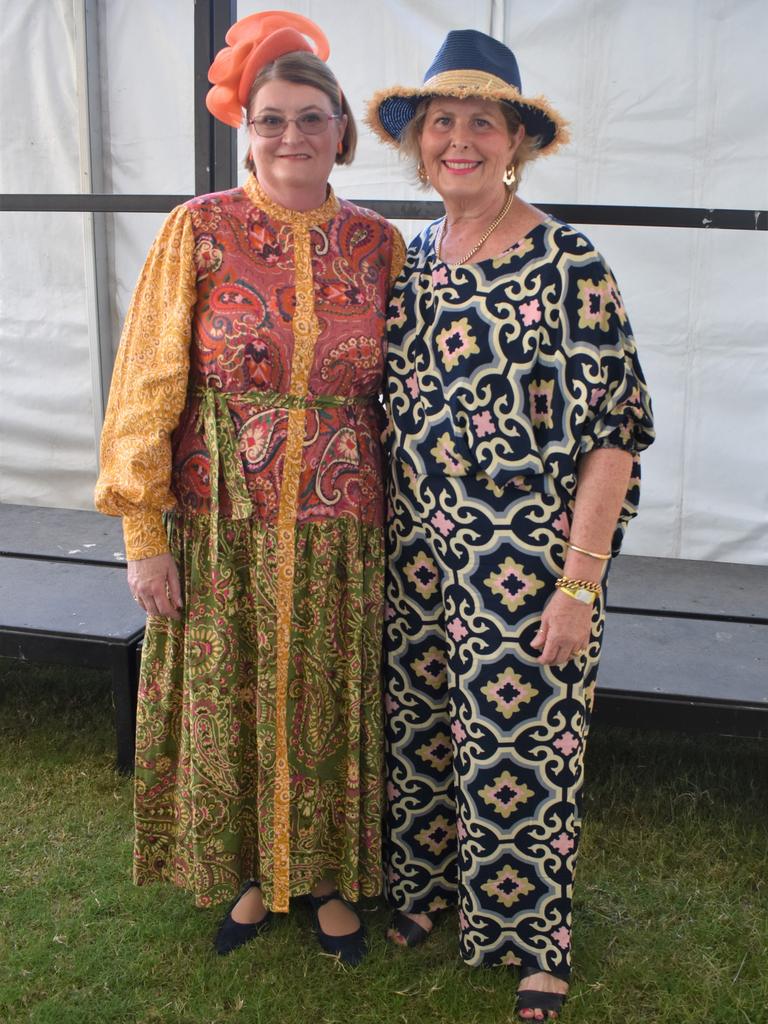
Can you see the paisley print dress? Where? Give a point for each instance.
(500, 375)
(245, 407)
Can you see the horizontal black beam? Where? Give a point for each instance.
(77, 203)
(69, 648)
(667, 614)
(680, 715)
(643, 216)
(69, 559)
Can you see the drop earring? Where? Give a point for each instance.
(421, 170)
(509, 177)
(340, 147)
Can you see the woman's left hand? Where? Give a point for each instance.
(154, 584)
(565, 629)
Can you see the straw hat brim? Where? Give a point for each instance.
(389, 111)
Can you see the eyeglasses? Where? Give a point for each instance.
(269, 126)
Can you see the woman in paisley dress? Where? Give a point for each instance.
(517, 412)
(241, 446)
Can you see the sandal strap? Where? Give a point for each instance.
(411, 931)
(531, 999)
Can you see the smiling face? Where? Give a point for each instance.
(293, 168)
(466, 146)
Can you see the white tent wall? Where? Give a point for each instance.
(667, 107)
(47, 437)
(150, 104)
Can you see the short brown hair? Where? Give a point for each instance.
(410, 141)
(306, 69)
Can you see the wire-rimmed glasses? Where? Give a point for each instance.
(312, 122)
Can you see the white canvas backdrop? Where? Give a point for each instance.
(667, 105)
(46, 414)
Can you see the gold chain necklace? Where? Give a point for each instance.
(483, 240)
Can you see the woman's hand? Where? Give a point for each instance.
(565, 629)
(154, 583)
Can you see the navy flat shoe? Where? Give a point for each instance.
(350, 949)
(231, 934)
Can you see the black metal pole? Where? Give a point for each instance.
(215, 143)
(203, 120)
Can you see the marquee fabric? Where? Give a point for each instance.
(667, 108)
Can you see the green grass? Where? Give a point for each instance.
(671, 915)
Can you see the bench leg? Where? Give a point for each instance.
(125, 684)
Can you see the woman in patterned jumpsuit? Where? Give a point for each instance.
(517, 412)
(244, 406)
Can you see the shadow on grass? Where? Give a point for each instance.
(51, 695)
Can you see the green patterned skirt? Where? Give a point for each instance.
(205, 743)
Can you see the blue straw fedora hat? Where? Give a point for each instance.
(468, 64)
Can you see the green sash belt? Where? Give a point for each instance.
(215, 422)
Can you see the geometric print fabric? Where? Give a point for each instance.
(485, 748)
(514, 367)
(501, 375)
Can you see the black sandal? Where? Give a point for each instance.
(409, 930)
(231, 934)
(533, 999)
(350, 949)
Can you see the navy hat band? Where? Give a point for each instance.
(469, 50)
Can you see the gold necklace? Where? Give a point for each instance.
(483, 240)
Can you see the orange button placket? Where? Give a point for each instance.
(305, 332)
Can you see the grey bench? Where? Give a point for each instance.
(686, 642)
(63, 598)
(686, 646)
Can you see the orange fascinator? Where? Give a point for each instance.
(253, 42)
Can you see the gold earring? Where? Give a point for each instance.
(422, 173)
(509, 177)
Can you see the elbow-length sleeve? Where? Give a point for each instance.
(606, 374)
(148, 391)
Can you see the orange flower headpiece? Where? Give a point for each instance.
(253, 42)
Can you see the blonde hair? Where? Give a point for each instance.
(306, 69)
(410, 140)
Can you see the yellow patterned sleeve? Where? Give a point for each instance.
(148, 392)
(398, 256)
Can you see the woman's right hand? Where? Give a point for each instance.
(154, 583)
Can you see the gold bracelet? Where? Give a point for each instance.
(592, 554)
(566, 581)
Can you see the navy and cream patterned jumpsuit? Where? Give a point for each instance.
(501, 373)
